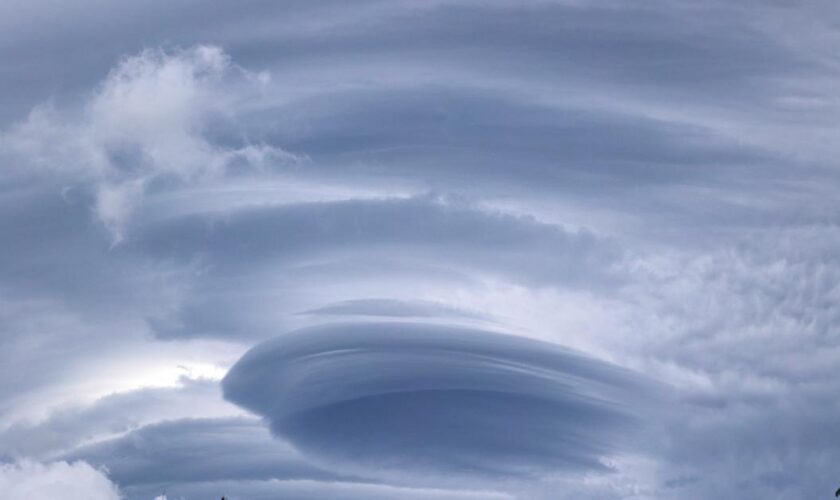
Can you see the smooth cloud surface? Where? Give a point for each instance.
(400, 398)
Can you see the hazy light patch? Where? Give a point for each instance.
(149, 366)
(147, 122)
(131, 375)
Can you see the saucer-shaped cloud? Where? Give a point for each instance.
(148, 121)
(392, 398)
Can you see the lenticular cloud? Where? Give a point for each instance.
(432, 399)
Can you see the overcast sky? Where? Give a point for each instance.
(419, 249)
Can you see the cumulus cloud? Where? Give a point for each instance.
(67, 480)
(437, 400)
(149, 121)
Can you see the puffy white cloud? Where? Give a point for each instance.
(57, 480)
(689, 145)
(149, 120)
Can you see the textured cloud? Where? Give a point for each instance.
(392, 308)
(332, 243)
(423, 227)
(148, 121)
(73, 481)
(447, 401)
(114, 415)
(206, 450)
(652, 183)
(313, 490)
(752, 329)
(199, 458)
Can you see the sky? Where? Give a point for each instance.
(419, 249)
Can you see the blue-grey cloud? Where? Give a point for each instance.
(190, 450)
(113, 415)
(397, 397)
(652, 183)
(56, 480)
(393, 308)
(196, 458)
(419, 227)
(307, 490)
(361, 238)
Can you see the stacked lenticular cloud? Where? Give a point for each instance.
(445, 401)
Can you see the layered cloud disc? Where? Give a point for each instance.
(446, 401)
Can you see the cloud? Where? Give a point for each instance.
(67, 428)
(390, 398)
(204, 458)
(199, 450)
(149, 121)
(425, 227)
(747, 333)
(433, 241)
(65, 480)
(393, 308)
(653, 183)
(311, 490)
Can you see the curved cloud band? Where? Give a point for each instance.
(396, 396)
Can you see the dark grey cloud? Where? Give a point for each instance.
(432, 399)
